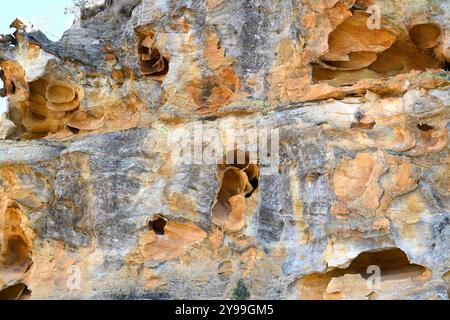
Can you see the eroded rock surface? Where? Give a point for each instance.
(94, 202)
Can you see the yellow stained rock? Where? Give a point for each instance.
(356, 181)
(426, 35)
(348, 287)
(177, 239)
(354, 36)
(85, 121)
(60, 92)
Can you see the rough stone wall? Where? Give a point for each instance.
(95, 204)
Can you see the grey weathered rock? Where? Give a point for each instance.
(96, 203)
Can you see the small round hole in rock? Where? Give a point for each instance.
(157, 225)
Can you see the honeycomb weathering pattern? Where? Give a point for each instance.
(91, 188)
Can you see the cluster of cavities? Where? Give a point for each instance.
(152, 62)
(238, 181)
(53, 106)
(357, 52)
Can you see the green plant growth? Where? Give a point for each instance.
(241, 291)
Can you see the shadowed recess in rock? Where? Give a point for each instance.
(357, 52)
(425, 36)
(48, 107)
(15, 292)
(239, 180)
(15, 254)
(152, 63)
(55, 109)
(157, 224)
(354, 282)
(13, 78)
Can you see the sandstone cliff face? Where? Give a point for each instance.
(94, 202)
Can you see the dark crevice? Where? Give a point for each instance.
(446, 66)
(425, 127)
(3, 88)
(152, 62)
(158, 225)
(74, 130)
(13, 88)
(255, 183)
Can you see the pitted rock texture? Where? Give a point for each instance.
(94, 203)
